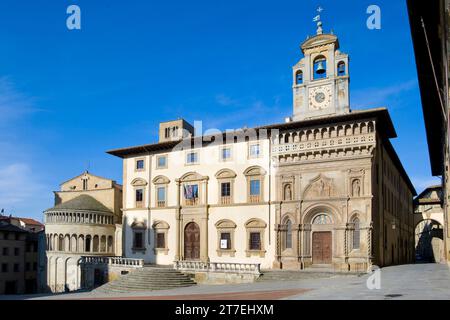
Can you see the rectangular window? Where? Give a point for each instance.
(34, 266)
(225, 241)
(160, 240)
(16, 267)
(255, 187)
(4, 267)
(27, 266)
(191, 194)
(161, 196)
(226, 153)
(255, 190)
(255, 241)
(138, 242)
(192, 157)
(5, 251)
(225, 189)
(139, 198)
(225, 192)
(161, 162)
(140, 164)
(255, 151)
(17, 251)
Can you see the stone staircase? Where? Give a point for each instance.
(293, 275)
(147, 279)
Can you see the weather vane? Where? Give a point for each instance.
(318, 20)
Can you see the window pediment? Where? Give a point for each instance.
(254, 171)
(138, 182)
(192, 176)
(161, 180)
(222, 224)
(138, 225)
(160, 225)
(255, 223)
(225, 174)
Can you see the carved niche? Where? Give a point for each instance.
(320, 187)
(356, 182)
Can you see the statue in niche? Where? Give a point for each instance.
(287, 192)
(356, 188)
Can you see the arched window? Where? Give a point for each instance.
(88, 244)
(288, 240)
(356, 234)
(320, 67)
(110, 244)
(322, 219)
(299, 77)
(341, 69)
(61, 243)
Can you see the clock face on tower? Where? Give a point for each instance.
(319, 98)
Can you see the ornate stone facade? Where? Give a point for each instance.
(326, 188)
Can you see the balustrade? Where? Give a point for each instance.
(113, 261)
(227, 267)
(79, 218)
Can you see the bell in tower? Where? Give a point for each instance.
(320, 78)
(320, 68)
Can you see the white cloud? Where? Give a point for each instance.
(377, 97)
(13, 104)
(21, 190)
(225, 100)
(17, 185)
(245, 111)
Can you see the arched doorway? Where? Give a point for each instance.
(429, 241)
(192, 241)
(322, 239)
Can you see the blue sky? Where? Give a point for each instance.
(68, 96)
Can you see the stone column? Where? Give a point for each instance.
(204, 247)
(277, 260)
(300, 246)
(306, 239)
(178, 256)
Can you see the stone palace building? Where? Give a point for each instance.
(325, 188)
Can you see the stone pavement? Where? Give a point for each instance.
(419, 281)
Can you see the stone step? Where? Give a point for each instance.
(134, 289)
(147, 279)
(153, 276)
(147, 283)
(145, 288)
(287, 275)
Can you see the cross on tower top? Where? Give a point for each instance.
(319, 20)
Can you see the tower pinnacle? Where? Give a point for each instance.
(319, 21)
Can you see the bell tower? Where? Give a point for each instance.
(321, 78)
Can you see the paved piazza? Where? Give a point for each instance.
(420, 281)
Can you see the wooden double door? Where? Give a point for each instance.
(192, 241)
(321, 247)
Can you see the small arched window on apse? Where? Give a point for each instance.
(341, 69)
(320, 67)
(288, 239)
(356, 234)
(299, 77)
